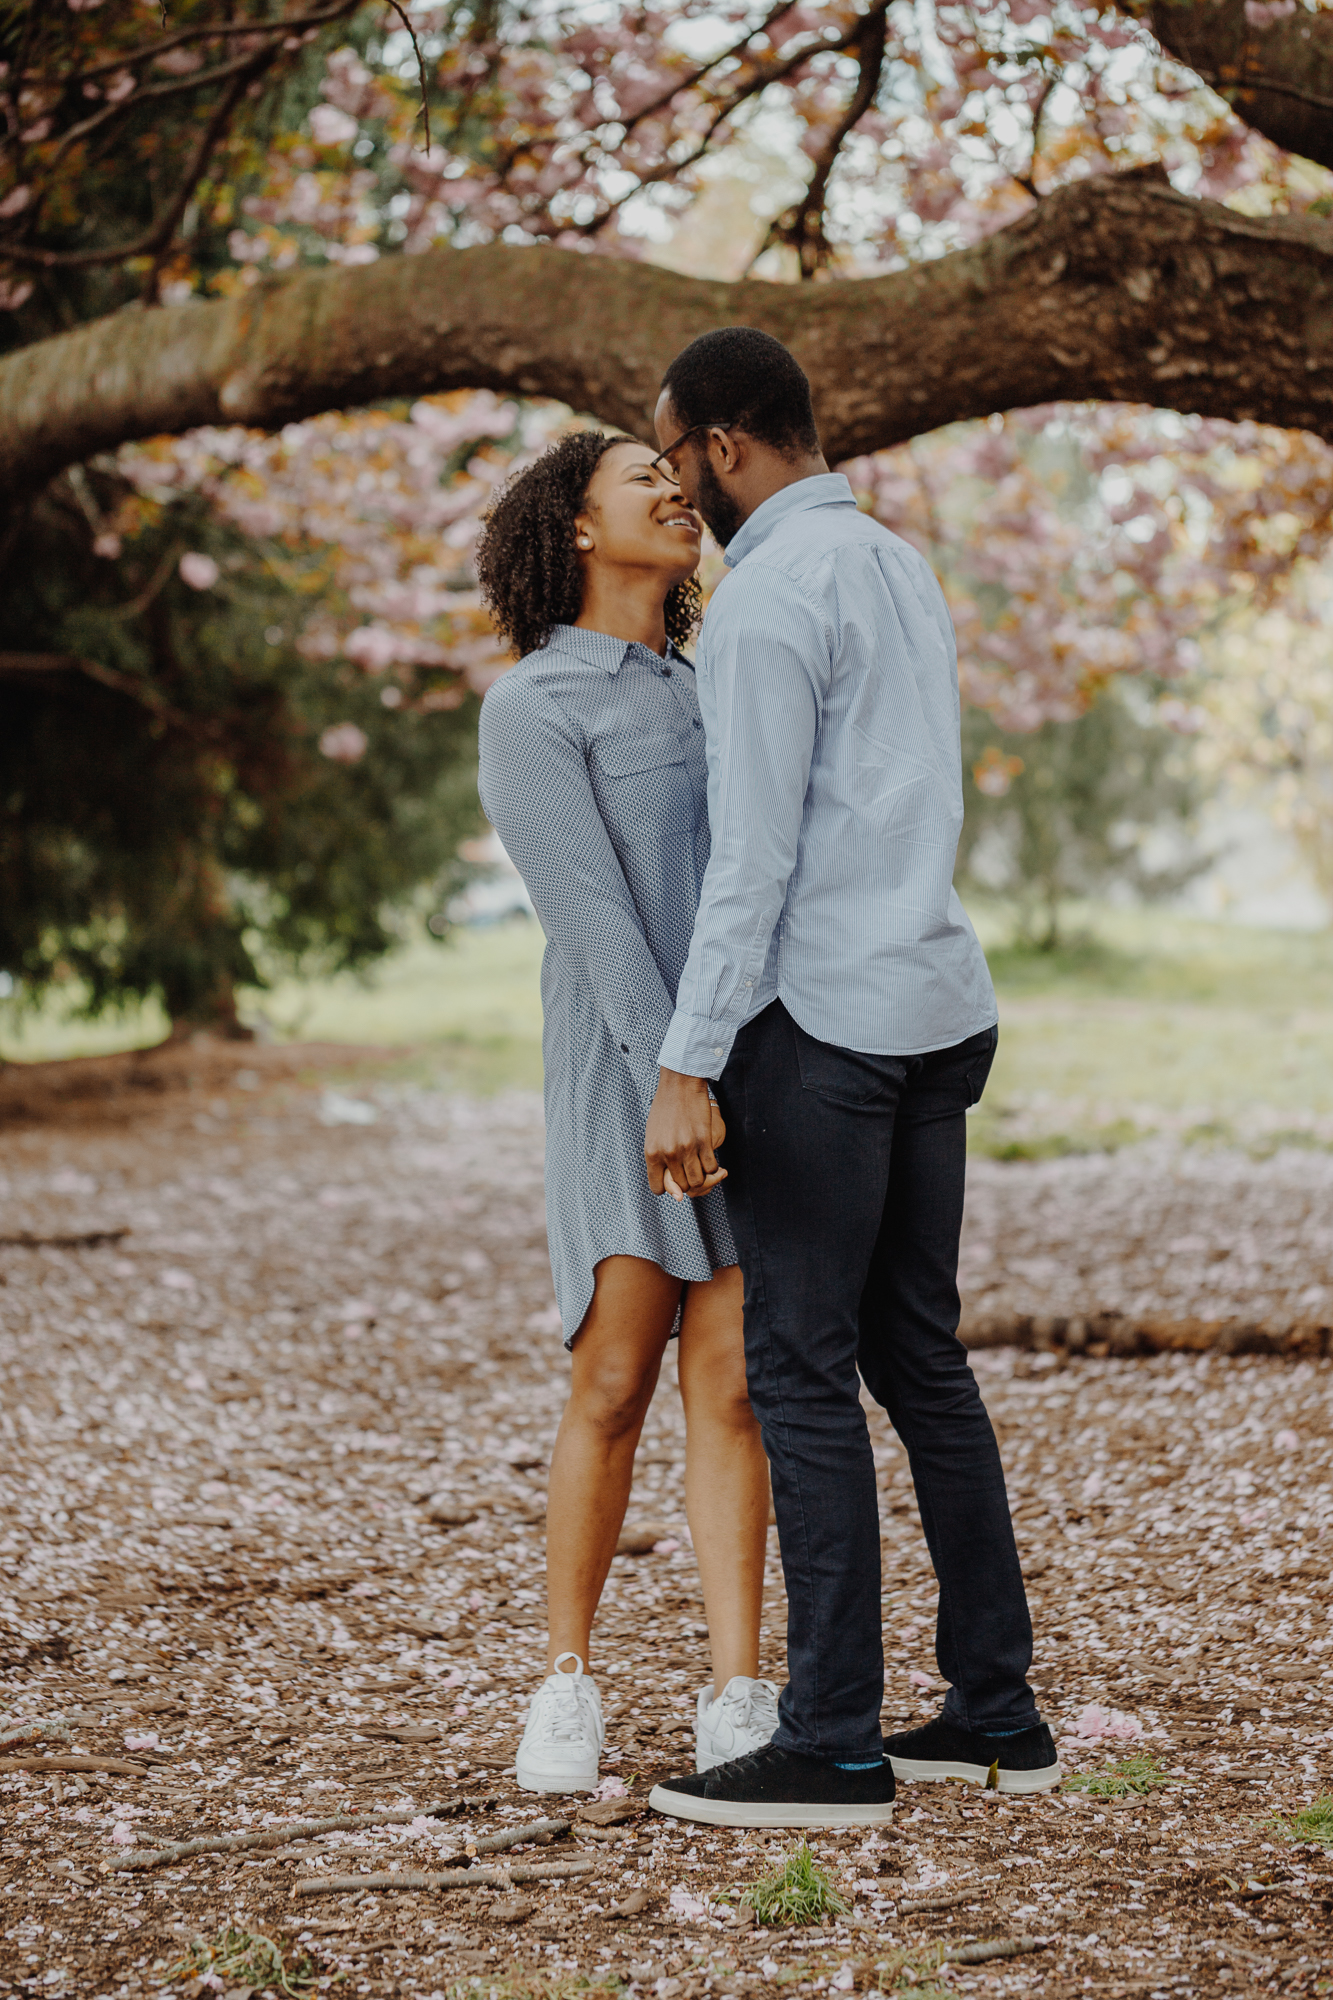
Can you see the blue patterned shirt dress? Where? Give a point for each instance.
(594, 775)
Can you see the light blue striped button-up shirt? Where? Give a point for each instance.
(828, 686)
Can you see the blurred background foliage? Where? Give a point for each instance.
(1074, 810)
(239, 674)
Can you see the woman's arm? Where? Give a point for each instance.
(538, 797)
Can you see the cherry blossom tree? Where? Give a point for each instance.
(1009, 205)
(240, 228)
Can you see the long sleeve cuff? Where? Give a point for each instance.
(696, 1046)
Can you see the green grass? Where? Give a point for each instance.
(1311, 1823)
(520, 1984)
(1143, 1021)
(470, 1009)
(1138, 1774)
(909, 1973)
(797, 1893)
(245, 1958)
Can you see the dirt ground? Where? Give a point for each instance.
(277, 1389)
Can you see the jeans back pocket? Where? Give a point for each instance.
(845, 1076)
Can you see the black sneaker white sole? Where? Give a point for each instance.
(909, 1770)
(939, 1752)
(748, 1812)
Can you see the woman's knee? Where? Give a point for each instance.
(719, 1395)
(612, 1398)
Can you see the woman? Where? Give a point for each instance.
(593, 774)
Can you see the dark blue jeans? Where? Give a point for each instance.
(845, 1194)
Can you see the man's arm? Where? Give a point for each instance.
(763, 671)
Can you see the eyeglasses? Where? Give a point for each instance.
(676, 443)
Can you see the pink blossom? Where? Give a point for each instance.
(612, 1788)
(122, 1835)
(1106, 1725)
(373, 647)
(667, 1547)
(686, 1906)
(143, 1739)
(918, 1679)
(199, 571)
(332, 127)
(1263, 13)
(345, 743)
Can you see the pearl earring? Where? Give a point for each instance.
(584, 543)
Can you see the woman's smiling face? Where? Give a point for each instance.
(635, 518)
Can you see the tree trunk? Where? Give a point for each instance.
(1279, 79)
(1117, 287)
(212, 1014)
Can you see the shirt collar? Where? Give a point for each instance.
(824, 489)
(599, 649)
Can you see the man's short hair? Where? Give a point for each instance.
(741, 376)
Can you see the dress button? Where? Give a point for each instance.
(624, 1048)
(698, 725)
(666, 673)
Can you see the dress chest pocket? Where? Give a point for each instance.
(627, 756)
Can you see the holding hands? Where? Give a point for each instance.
(685, 1128)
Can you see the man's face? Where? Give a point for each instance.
(711, 498)
(695, 474)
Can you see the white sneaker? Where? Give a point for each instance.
(744, 1716)
(563, 1739)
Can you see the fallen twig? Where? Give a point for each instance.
(275, 1836)
(946, 1899)
(116, 1764)
(86, 1239)
(978, 1954)
(16, 1733)
(513, 1836)
(451, 1878)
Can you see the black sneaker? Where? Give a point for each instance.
(772, 1787)
(1023, 1763)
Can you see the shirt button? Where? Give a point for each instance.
(666, 673)
(749, 982)
(717, 1052)
(624, 1048)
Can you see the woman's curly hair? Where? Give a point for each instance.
(527, 564)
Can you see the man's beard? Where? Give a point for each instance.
(721, 514)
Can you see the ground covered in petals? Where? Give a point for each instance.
(279, 1374)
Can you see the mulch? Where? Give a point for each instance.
(247, 1342)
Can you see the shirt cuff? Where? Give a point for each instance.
(696, 1046)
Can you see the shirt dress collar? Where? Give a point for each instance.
(599, 649)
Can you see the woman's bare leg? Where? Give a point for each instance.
(617, 1355)
(726, 1474)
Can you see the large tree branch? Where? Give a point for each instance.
(1279, 79)
(1116, 287)
(804, 226)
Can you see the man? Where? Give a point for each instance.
(836, 996)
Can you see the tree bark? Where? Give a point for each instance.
(1294, 57)
(1117, 287)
